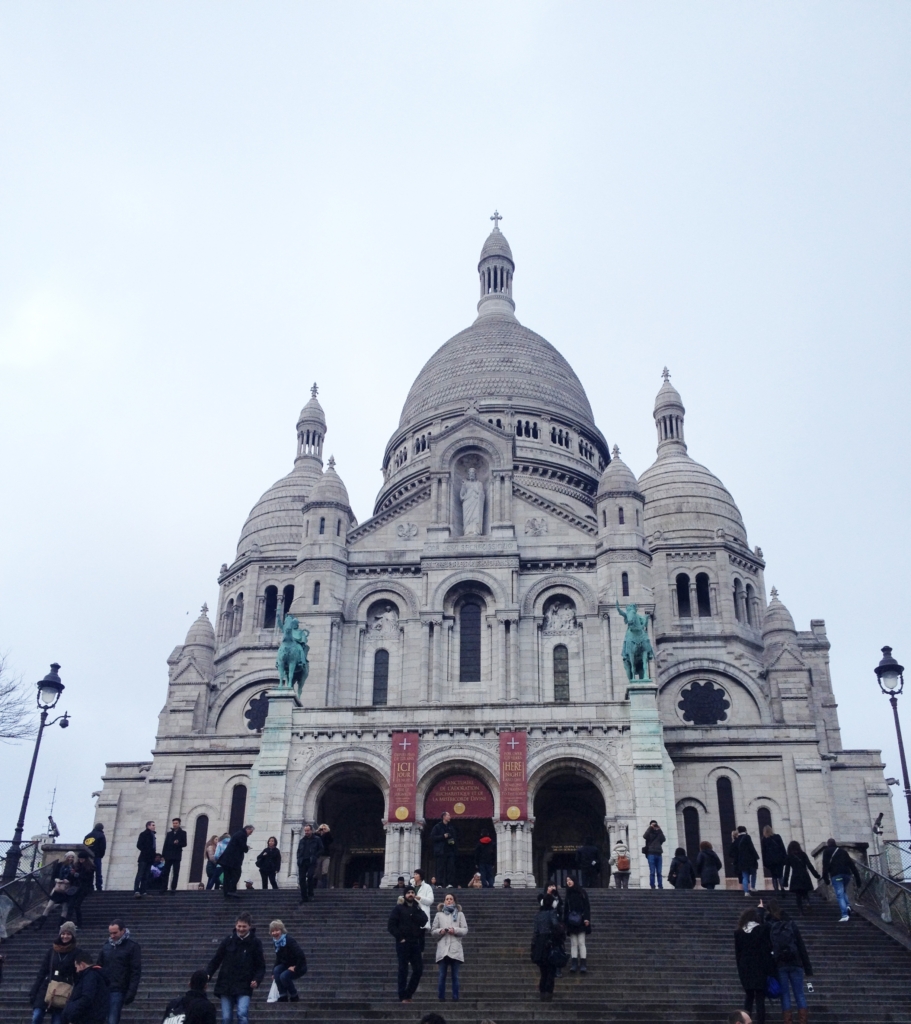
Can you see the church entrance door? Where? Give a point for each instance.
(569, 809)
(470, 804)
(353, 810)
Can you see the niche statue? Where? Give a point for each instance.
(637, 648)
(291, 662)
(472, 496)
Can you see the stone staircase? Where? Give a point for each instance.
(654, 958)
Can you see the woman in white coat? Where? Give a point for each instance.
(449, 926)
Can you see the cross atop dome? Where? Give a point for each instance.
(496, 218)
(314, 391)
(332, 462)
(615, 452)
(665, 374)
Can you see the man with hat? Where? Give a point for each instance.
(406, 926)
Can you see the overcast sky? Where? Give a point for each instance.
(206, 207)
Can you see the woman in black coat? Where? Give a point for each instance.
(547, 935)
(797, 871)
(269, 863)
(753, 950)
(57, 965)
(708, 865)
(681, 874)
(774, 855)
(577, 920)
(290, 963)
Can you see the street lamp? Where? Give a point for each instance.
(49, 690)
(892, 681)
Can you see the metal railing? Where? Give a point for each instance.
(883, 896)
(897, 857)
(30, 859)
(23, 894)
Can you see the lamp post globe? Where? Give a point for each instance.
(891, 678)
(50, 688)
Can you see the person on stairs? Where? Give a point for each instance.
(791, 960)
(588, 863)
(577, 922)
(682, 875)
(546, 945)
(837, 868)
(325, 858)
(309, 851)
(774, 855)
(445, 843)
(172, 846)
(485, 859)
(406, 925)
(146, 846)
(708, 865)
(753, 952)
(423, 894)
(796, 877)
(96, 843)
(241, 967)
(269, 863)
(193, 1007)
(449, 928)
(746, 859)
(120, 961)
(621, 864)
(49, 994)
(89, 1000)
(653, 849)
(290, 963)
(231, 861)
(83, 879)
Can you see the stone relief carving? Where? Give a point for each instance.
(536, 526)
(472, 497)
(407, 530)
(384, 621)
(560, 617)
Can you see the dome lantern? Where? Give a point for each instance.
(495, 271)
(668, 415)
(311, 429)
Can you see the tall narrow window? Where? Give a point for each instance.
(238, 614)
(703, 599)
(238, 809)
(561, 674)
(270, 610)
(749, 604)
(620, 518)
(316, 593)
(470, 643)
(287, 599)
(604, 517)
(380, 677)
(199, 847)
(338, 528)
(683, 596)
(229, 619)
(691, 832)
(624, 583)
(322, 524)
(728, 821)
(738, 597)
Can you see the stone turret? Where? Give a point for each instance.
(623, 557)
(495, 270)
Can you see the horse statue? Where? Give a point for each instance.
(637, 648)
(291, 661)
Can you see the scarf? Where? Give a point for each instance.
(279, 942)
(449, 910)
(749, 926)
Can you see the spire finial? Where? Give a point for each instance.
(774, 593)
(615, 452)
(314, 391)
(496, 218)
(332, 462)
(666, 374)
(205, 609)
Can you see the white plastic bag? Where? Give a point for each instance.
(273, 993)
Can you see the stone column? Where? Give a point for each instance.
(500, 641)
(437, 648)
(425, 661)
(608, 656)
(514, 659)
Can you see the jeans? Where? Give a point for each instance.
(445, 865)
(621, 879)
(214, 877)
(228, 1003)
(447, 961)
(487, 875)
(840, 885)
(794, 975)
(756, 995)
(409, 953)
(143, 869)
(169, 867)
(99, 881)
(39, 1012)
(748, 880)
(654, 870)
(115, 1006)
(284, 979)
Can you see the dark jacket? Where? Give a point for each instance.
(57, 965)
(588, 858)
(486, 851)
(576, 902)
(708, 867)
(238, 962)
(797, 871)
(784, 934)
(192, 1008)
(407, 922)
(682, 874)
(233, 854)
(90, 1000)
(836, 861)
(308, 849)
(97, 842)
(146, 845)
(441, 845)
(654, 840)
(122, 966)
(173, 843)
(291, 955)
(774, 853)
(270, 860)
(753, 950)
(547, 932)
(744, 855)
(327, 839)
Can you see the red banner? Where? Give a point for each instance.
(403, 778)
(513, 776)
(463, 796)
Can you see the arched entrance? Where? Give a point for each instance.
(569, 809)
(470, 803)
(353, 808)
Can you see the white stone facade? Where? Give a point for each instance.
(499, 496)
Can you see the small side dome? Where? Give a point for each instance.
(330, 488)
(312, 412)
(618, 477)
(201, 633)
(778, 620)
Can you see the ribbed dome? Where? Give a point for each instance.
(275, 522)
(330, 487)
(496, 245)
(201, 633)
(617, 477)
(777, 619)
(497, 359)
(312, 412)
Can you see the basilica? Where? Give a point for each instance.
(465, 646)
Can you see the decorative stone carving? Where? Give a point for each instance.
(536, 526)
(560, 617)
(704, 704)
(472, 497)
(407, 530)
(384, 621)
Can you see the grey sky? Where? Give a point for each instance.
(207, 207)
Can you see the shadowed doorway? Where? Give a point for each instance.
(568, 810)
(353, 809)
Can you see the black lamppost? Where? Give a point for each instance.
(892, 681)
(49, 690)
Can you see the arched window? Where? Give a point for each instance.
(749, 604)
(683, 596)
(637, 517)
(238, 808)
(287, 599)
(316, 593)
(198, 856)
(322, 524)
(561, 674)
(238, 614)
(738, 597)
(380, 676)
(624, 584)
(270, 609)
(691, 832)
(604, 517)
(703, 598)
(229, 619)
(470, 642)
(620, 518)
(338, 528)
(728, 821)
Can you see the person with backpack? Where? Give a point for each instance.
(577, 922)
(290, 963)
(753, 952)
(547, 947)
(681, 874)
(708, 865)
(796, 877)
(837, 868)
(146, 846)
(96, 843)
(791, 961)
(774, 855)
(746, 859)
(621, 864)
(193, 1007)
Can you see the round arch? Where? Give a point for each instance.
(462, 445)
(361, 599)
(588, 762)
(533, 602)
(469, 576)
(462, 759)
(248, 682)
(696, 666)
(332, 766)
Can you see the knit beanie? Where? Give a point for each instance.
(68, 926)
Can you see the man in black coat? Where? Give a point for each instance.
(406, 926)
(146, 846)
(120, 961)
(445, 842)
(88, 1002)
(193, 1007)
(241, 966)
(588, 861)
(96, 843)
(309, 850)
(172, 847)
(837, 868)
(232, 860)
(745, 858)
